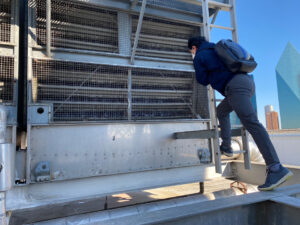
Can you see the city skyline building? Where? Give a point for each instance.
(272, 120)
(268, 108)
(288, 85)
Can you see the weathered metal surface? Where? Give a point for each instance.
(214, 189)
(7, 162)
(250, 209)
(53, 193)
(95, 150)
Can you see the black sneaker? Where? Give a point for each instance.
(274, 179)
(226, 151)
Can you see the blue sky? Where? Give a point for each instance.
(264, 27)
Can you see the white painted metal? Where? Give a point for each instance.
(43, 194)
(287, 145)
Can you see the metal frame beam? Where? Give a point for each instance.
(203, 134)
(233, 21)
(212, 4)
(254, 208)
(138, 30)
(43, 194)
(48, 28)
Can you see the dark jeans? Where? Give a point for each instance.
(238, 98)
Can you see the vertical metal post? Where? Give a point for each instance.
(233, 21)
(245, 141)
(205, 16)
(129, 94)
(135, 44)
(2, 209)
(212, 99)
(48, 27)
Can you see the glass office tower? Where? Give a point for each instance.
(288, 85)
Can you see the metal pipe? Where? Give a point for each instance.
(221, 27)
(129, 94)
(233, 21)
(48, 27)
(2, 209)
(138, 30)
(3, 124)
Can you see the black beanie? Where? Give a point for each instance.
(195, 41)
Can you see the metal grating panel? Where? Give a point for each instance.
(175, 4)
(80, 91)
(78, 26)
(89, 92)
(5, 20)
(159, 94)
(6, 79)
(164, 39)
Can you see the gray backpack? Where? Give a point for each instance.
(235, 57)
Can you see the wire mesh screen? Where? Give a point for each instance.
(163, 39)
(175, 4)
(80, 91)
(5, 20)
(78, 26)
(161, 94)
(89, 92)
(6, 79)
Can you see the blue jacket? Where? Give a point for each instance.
(210, 69)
